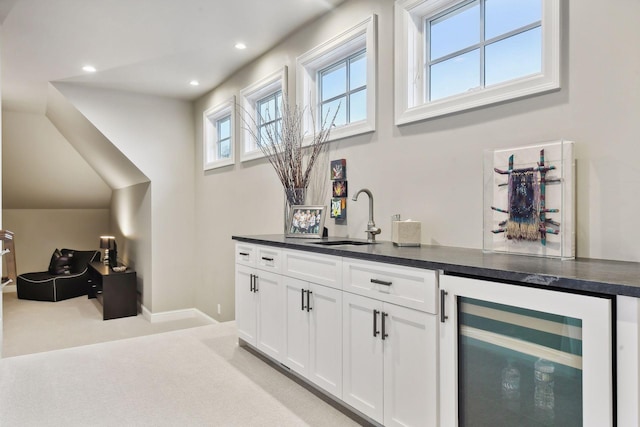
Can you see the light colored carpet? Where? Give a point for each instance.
(35, 326)
(192, 377)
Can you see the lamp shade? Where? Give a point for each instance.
(107, 242)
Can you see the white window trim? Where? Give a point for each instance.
(210, 133)
(249, 97)
(361, 36)
(409, 61)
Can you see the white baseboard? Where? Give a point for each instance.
(167, 316)
(10, 288)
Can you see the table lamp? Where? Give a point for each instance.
(108, 243)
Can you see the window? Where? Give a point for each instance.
(224, 137)
(269, 117)
(343, 90)
(454, 55)
(218, 135)
(261, 104)
(340, 75)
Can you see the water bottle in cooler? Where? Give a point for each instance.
(543, 397)
(511, 387)
(510, 382)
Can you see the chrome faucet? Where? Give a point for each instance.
(372, 230)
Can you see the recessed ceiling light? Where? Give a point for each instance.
(194, 83)
(241, 46)
(89, 68)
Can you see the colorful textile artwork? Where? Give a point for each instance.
(527, 218)
(524, 198)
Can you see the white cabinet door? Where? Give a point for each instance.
(271, 316)
(362, 385)
(410, 367)
(246, 304)
(296, 349)
(325, 335)
(313, 343)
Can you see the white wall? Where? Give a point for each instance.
(39, 231)
(130, 224)
(432, 171)
(42, 171)
(156, 134)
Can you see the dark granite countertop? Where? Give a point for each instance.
(582, 274)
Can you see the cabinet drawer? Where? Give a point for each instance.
(316, 268)
(269, 259)
(406, 286)
(246, 254)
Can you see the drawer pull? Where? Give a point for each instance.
(267, 258)
(375, 323)
(381, 282)
(244, 253)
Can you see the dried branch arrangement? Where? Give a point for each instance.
(283, 145)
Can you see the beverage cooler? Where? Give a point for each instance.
(518, 356)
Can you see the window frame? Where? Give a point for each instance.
(362, 36)
(250, 96)
(210, 132)
(410, 75)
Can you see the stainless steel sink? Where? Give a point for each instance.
(342, 242)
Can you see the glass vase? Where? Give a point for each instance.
(292, 197)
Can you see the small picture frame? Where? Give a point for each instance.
(340, 189)
(339, 169)
(339, 208)
(306, 221)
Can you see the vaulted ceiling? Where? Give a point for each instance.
(147, 46)
(153, 47)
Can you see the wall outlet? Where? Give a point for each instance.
(219, 309)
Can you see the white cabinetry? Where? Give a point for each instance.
(390, 351)
(246, 304)
(313, 343)
(260, 299)
(315, 268)
(364, 332)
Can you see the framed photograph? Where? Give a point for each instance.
(306, 221)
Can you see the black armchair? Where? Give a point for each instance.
(59, 283)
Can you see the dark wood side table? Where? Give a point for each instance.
(116, 291)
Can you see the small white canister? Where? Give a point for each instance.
(406, 233)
